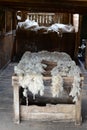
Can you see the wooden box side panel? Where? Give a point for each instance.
(70, 112)
(50, 112)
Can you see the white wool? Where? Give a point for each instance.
(27, 24)
(75, 71)
(27, 54)
(75, 98)
(32, 61)
(25, 92)
(69, 68)
(18, 17)
(57, 85)
(18, 71)
(63, 68)
(34, 83)
(30, 71)
(64, 28)
(75, 91)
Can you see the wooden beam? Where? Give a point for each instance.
(74, 6)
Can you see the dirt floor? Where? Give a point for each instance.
(6, 108)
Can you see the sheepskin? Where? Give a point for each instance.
(30, 69)
(57, 27)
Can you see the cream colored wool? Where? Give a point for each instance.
(34, 83)
(30, 71)
(32, 25)
(75, 92)
(57, 85)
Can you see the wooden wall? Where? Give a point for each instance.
(7, 51)
(6, 45)
(32, 41)
(6, 37)
(74, 6)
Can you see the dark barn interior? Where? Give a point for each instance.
(15, 40)
(11, 40)
(63, 13)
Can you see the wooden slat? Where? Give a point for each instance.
(78, 111)
(16, 104)
(50, 112)
(67, 80)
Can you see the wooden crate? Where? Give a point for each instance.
(62, 111)
(66, 112)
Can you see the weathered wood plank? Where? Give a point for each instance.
(50, 112)
(16, 104)
(59, 108)
(78, 112)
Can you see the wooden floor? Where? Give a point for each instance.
(6, 92)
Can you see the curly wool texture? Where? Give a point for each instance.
(31, 24)
(75, 92)
(66, 68)
(34, 83)
(57, 85)
(69, 68)
(30, 71)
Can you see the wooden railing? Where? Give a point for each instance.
(46, 19)
(42, 18)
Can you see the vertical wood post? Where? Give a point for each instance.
(16, 100)
(79, 106)
(78, 112)
(77, 43)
